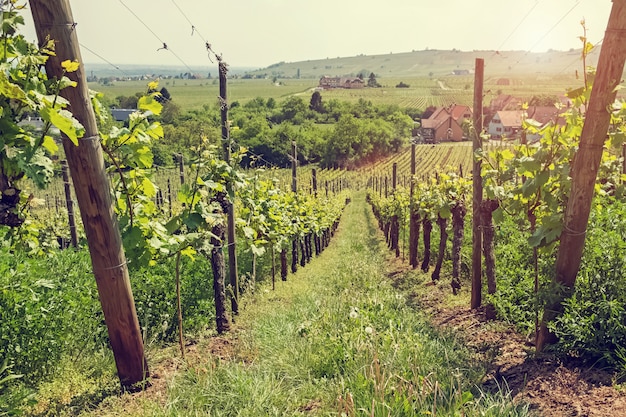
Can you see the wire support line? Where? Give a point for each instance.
(553, 26)
(156, 36)
(142, 22)
(104, 59)
(194, 29)
(516, 27)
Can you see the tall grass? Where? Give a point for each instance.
(336, 339)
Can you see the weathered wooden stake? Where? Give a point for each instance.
(181, 168)
(53, 19)
(230, 211)
(477, 183)
(413, 218)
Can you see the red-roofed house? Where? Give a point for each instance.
(445, 124)
(341, 82)
(508, 123)
(505, 123)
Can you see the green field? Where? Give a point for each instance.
(429, 75)
(421, 93)
(194, 94)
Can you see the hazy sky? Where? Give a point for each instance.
(258, 33)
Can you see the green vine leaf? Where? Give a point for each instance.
(65, 122)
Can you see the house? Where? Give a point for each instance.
(505, 123)
(508, 123)
(543, 114)
(327, 82)
(445, 124)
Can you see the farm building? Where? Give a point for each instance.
(445, 124)
(341, 82)
(509, 123)
(505, 123)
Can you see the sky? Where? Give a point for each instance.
(258, 33)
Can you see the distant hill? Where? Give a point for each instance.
(106, 70)
(432, 63)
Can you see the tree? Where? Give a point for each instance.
(316, 102)
(371, 81)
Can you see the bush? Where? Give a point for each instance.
(594, 322)
(48, 307)
(50, 310)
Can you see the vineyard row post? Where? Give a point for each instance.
(53, 20)
(294, 189)
(230, 214)
(477, 185)
(413, 231)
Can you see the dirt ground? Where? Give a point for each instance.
(552, 386)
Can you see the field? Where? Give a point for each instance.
(429, 74)
(421, 93)
(194, 94)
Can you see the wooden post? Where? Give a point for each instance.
(477, 183)
(586, 163)
(181, 168)
(68, 202)
(294, 164)
(294, 189)
(314, 179)
(386, 187)
(395, 224)
(624, 158)
(53, 19)
(169, 196)
(230, 213)
(413, 230)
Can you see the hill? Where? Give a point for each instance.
(433, 63)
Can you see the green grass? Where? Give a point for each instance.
(335, 339)
(194, 94)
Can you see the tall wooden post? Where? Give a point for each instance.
(413, 230)
(69, 204)
(294, 165)
(294, 188)
(53, 19)
(477, 183)
(181, 169)
(230, 214)
(395, 224)
(585, 167)
(624, 158)
(314, 180)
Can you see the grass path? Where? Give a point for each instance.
(335, 339)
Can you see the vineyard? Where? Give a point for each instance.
(198, 286)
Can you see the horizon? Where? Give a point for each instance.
(261, 33)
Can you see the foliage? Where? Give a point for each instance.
(594, 322)
(25, 91)
(48, 308)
